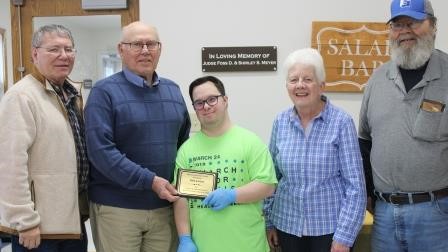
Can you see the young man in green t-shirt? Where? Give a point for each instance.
(230, 217)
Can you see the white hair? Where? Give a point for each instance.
(307, 56)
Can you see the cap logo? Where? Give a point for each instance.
(405, 3)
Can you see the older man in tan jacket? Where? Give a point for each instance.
(43, 165)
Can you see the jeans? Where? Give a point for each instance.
(411, 227)
(55, 245)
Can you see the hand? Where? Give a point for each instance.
(220, 198)
(338, 247)
(186, 244)
(164, 189)
(272, 237)
(30, 238)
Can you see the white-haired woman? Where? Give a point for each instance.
(320, 200)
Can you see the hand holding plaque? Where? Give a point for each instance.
(195, 184)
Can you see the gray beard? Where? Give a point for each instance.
(416, 56)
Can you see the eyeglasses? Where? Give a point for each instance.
(211, 101)
(57, 51)
(415, 24)
(138, 46)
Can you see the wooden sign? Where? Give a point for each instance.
(351, 51)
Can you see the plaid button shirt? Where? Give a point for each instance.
(77, 124)
(321, 187)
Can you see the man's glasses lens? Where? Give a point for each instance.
(400, 26)
(138, 46)
(211, 101)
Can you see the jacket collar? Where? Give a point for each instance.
(46, 84)
(433, 71)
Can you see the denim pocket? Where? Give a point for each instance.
(442, 205)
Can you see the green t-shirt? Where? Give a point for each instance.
(239, 157)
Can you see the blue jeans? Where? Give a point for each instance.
(411, 227)
(55, 245)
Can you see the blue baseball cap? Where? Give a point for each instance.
(416, 9)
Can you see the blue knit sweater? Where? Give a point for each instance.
(133, 133)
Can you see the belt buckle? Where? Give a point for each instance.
(392, 201)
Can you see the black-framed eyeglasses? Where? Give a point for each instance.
(211, 101)
(399, 26)
(138, 46)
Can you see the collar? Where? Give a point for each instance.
(70, 91)
(323, 115)
(433, 70)
(73, 86)
(138, 80)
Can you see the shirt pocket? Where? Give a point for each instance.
(432, 125)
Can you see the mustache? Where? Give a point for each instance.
(406, 37)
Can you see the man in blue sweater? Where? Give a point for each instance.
(135, 122)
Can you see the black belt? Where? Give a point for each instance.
(411, 198)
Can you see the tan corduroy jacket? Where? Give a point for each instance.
(38, 169)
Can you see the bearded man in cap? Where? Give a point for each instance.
(403, 134)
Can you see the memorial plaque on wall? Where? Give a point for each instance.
(238, 59)
(351, 51)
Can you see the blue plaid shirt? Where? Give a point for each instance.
(321, 187)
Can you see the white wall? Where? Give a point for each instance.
(255, 97)
(90, 43)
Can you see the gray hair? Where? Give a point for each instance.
(60, 30)
(309, 57)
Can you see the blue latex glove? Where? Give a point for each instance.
(186, 244)
(220, 198)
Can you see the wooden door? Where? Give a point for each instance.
(47, 8)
